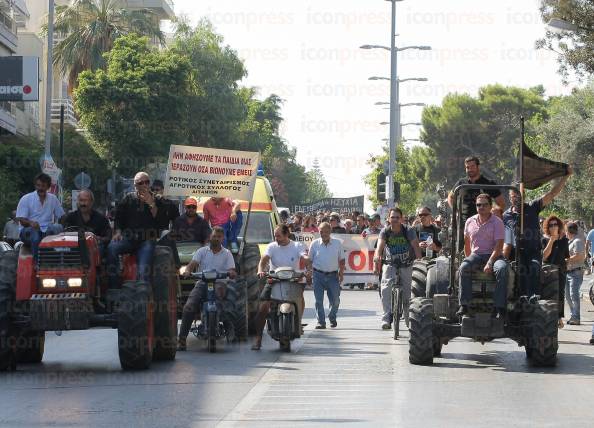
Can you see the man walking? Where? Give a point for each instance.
(326, 258)
(483, 244)
(575, 272)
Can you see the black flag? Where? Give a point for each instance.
(536, 171)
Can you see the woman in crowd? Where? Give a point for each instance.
(309, 224)
(556, 250)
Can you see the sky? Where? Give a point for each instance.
(307, 52)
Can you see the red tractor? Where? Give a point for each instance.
(66, 289)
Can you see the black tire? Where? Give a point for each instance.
(236, 309)
(437, 345)
(419, 277)
(543, 341)
(30, 347)
(248, 271)
(8, 269)
(420, 350)
(164, 285)
(212, 331)
(549, 283)
(591, 293)
(135, 326)
(396, 311)
(286, 330)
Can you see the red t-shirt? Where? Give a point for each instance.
(217, 214)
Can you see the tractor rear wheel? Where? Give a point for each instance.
(419, 277)
(248, 270)
(543, 341)
(164, 284)
(421, 342)
(8, 269)
(236, 309)
(135, 326)
(30, 347)
(550, 283)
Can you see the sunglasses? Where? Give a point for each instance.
(191, 206)
(424, 214)
(482, 205)
(140, 183)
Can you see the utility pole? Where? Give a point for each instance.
(394, 110)
(49, 79)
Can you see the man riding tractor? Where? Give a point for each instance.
(484, 298)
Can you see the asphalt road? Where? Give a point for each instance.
(354, 375)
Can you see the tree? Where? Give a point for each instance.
(136, 108)
(575, 47)
(486, 126)
(568, 136)
(316, 185)
(91, 28)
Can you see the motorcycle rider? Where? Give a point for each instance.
(211, 257)
(281, 253)
(402, 243)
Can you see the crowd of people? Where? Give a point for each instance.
(489, 239)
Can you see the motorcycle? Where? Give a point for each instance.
(213, 325)
(283, 320)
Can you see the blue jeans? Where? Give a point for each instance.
(144, 258)
(329, 283)
(572, 291)
(530, 263)
(469, 265)
(32, 237)
(232, 229)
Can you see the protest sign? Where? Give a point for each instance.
(200, 171)
(339, 205)
(358, 252)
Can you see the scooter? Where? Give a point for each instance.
(283, 320)
(213, 325)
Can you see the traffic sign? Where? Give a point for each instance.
(82, 181)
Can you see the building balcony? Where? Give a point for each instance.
(8, 32)
(163, 8)
(69, 113)
(8, 120)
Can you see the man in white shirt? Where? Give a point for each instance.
(211, 257)
(281, 253)
(39, 213)
(326, 258)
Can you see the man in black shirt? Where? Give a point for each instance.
(335, 224)
(191, 226)
(138, 220)
(426, 229)
(90, 220)
(531, 242)
(467, 209)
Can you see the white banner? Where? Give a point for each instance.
(358, 252)
(200, 171)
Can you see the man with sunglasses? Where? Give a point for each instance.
(426, 229)
(531, 244)
(483, 245)
(139, 217)
(190, 226)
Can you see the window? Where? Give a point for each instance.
(259, 228)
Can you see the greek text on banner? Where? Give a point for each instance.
(201, 171)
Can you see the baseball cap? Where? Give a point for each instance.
(190, 201)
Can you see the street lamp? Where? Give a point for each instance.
(418, 79)
(413, 104)
(561, 26)
(395, 129)
(412, 124)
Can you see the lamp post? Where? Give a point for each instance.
(49, 79)
(394, 100)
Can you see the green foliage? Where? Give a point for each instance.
(91, 28)
(486, 126)
(316, 185)
(137, 107)
(576, 48)
(568, 136)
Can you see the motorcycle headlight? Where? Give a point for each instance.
(284, 274)
(74, 282)
(210, 275)
(48, 283)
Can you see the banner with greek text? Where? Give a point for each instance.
(339, 205)
(200, 171)
(358, 254)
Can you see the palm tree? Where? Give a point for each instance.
(91, 27)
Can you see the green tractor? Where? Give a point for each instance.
(530, 321)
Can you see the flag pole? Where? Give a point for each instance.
(522, 143)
